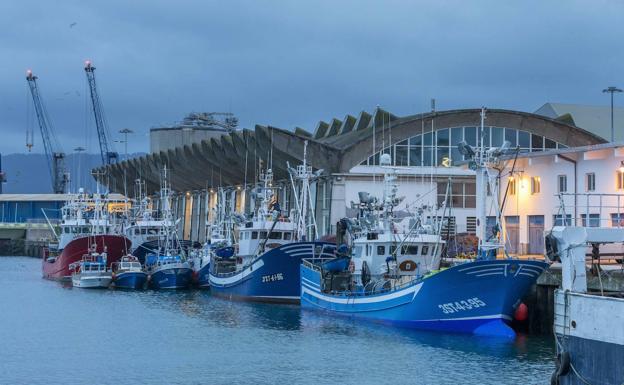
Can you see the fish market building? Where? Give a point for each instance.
(422, 147)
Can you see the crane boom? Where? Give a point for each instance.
(54, 154)
(109, 155)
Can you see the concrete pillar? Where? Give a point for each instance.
(187, 200)
(195, 216)
(201, 225)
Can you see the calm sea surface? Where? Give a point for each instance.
(50, 334)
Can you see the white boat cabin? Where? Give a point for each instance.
(396, 254)
(253, 234)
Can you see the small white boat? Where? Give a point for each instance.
(91, 273)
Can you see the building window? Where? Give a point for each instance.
(617, 219)
(558, 220)
(511, 186)
(594, 220)
(620, 180)
(590, 181)
(562, 185)
(471, 225)
(438, 147)
(535, 185)
(462, 195)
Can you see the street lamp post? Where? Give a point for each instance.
(126, 131)
(79, 150)
(612, 90)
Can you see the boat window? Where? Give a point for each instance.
(425, 250)
(287, 236)
(263, 234)
(152, 231)
(74, 230)
(143, 231)
(85, 230)
(410, 250)
(254, 235)
(358, 251)
(67, 230)
(137, 231)
(275, 235)
(381, 250)
(392, 250)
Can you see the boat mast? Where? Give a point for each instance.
(483, 163)
(303, 198)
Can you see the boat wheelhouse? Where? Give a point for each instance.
(91, 272)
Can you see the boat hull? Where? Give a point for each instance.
(272, 277)
(58, 269)
(588, 339)
(132, 280)
(477, 297)
(97, 282)
(202, 277)
(171, 278)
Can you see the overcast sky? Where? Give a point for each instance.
(293, 63)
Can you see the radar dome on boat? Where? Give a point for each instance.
(385, 160)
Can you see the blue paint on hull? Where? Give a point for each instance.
(171, 278)
(133, 280)
(276, 280)
(203, 277)
(597, 361)
(477, 297)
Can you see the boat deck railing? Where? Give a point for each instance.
(316, 262)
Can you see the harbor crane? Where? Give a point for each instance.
(109, 155)
(54, 153)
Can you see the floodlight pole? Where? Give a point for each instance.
(612, 90)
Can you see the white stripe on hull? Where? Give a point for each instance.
(356, 301)
(238, 277)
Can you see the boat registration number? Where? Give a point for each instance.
(272, 277)
(457, 306)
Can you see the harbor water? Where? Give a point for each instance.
(53, 334)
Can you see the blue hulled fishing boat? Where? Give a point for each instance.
(220, 241)
(271, 246)
(168, 271)
(167, 267)
(395, 278)
(128, 274)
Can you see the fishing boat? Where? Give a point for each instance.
(146, 230)
(168, 271)
(389, 283)
(270, 246)
(91, 271)
(128, 274)
(220, 241)
(167, 267)
(84, 224)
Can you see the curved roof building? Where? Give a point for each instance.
(348, 151)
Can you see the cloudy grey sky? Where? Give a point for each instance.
(293, 63)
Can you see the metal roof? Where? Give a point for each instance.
(595, 119)
(336, 147)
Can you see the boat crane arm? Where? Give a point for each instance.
(50, 224)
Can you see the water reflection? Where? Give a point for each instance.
(182, 337)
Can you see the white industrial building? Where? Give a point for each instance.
(582, 186)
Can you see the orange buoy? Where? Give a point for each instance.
(521, 313)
